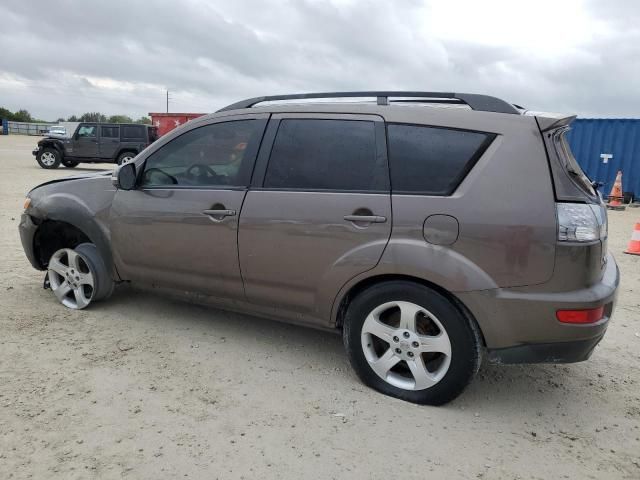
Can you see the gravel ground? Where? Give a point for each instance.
(144, 387)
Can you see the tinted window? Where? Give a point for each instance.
(326, 154)
(133, 132)
(87, 131)
(209, 155)
(570, 163)
(431, 160)
(110, 132)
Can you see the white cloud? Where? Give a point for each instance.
(119, 56)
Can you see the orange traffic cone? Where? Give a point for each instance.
(615, 197)
(634, 243)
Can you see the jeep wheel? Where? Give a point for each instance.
(410, 342)
(70, 163)
(49, 158)
(78, 276)
(126, 157)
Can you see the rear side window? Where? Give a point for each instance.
(133, 132)
(431, 160)
(570, 163)
(315, 154)
(110, 132)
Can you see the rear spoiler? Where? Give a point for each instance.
(551, 121)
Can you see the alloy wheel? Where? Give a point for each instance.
(48, 158)
(406, 345)
(71, 279)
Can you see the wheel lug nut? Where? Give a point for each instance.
(396, 339)
(406, 334)
(410, 354)
(398, 351)
(415, 344)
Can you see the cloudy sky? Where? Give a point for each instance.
(64, 57)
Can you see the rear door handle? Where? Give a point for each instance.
(218, 215)
(365, 218)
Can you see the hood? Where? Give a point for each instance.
(102, 173)
(50, 136)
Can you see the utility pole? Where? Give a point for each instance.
(167, 100)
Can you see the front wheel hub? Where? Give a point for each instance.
(70, 279)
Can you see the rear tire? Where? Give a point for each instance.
(410, 342)
(49, 158)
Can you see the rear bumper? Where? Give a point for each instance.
(561, 352)
(35, 152)
(520, 326)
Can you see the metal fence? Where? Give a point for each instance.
(25, 128)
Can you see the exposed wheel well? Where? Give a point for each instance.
(126, 150)
(52, 235)
(369, 282)
(53, 145)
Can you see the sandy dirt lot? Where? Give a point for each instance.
(144, 387)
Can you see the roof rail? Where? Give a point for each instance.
(483, 103)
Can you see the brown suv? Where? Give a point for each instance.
(429, 228)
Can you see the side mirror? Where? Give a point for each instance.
(124, 177)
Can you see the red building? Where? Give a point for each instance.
(168, 121)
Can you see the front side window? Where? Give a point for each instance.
(87, 131)
(213, 155)
(315, 154)
(432, 160)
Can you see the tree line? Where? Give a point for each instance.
(25, 116)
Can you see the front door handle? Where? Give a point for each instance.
(218, 215)
(365, 218)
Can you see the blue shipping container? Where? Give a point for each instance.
(602, 146)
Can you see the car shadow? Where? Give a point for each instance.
(496, 388)
(97, 168)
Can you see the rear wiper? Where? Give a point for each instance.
(583, 176)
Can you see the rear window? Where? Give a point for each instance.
(570, 163)
(133, 132)
(432, 160)
(314, 154)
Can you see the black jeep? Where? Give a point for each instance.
(95, 142)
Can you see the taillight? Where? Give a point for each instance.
(580, 316)
(581, 222)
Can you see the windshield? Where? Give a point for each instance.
(569, 162)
